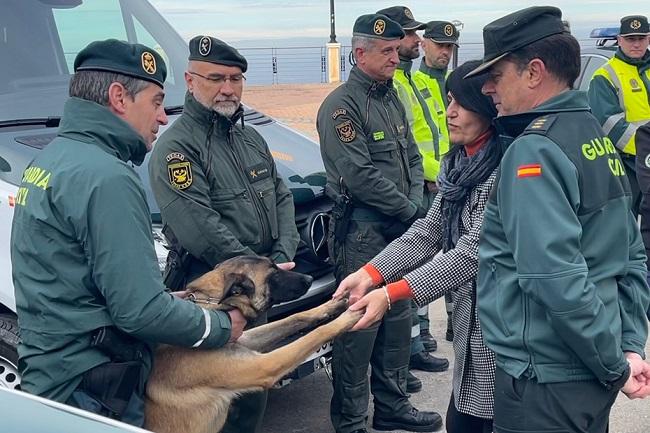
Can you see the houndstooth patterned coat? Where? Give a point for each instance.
(414, 257)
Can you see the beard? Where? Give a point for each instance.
(226, 108)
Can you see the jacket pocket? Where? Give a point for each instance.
(497, 289)
(265, 192)
(237, 213)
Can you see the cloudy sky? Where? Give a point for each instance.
(237, 20)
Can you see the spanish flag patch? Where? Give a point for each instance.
(529, 170)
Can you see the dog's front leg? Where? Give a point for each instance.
(266, 337)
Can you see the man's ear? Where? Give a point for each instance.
(238, 284)
(117, 98)
(535, 72)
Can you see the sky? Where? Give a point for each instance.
(302, 22)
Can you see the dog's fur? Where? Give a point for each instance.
(190, 390)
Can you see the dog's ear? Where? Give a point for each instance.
(237, 284)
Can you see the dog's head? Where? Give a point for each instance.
(252, 284)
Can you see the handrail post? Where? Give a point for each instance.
(333, 62)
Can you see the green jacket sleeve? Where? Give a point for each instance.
(605, 106)
(188, 212)
(634, 295)
(119, 245)
(351, 158)
(540, 221)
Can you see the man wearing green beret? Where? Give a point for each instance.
(91, 303)
(217, 186)
(374, 176)
(561, 290)
(619, 93)
(425, 133)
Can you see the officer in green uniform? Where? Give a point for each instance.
(89, 294)
(374, 176)
(425, 133)
(217, 185)
(619, 93)
(439, 40)
(561, 286)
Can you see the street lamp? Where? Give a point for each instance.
(459, 26)
(332, 30)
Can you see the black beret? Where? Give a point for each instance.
(213, 50)
(442, 32)
(634, 25)
(377, 26)
(111, 55)
(517, 30)
(403, 16)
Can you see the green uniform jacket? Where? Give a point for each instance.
(365, 141)
(620, 100)
(228, 199)
(418, 112)
(83, 256)
(562, 288)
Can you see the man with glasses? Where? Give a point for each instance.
(217, 186)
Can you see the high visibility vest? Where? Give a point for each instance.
(422, 121)
(633, 99)
(437, 99)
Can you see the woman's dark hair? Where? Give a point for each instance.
(467, 91)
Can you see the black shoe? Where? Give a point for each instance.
(430, 343)
(413, 384)
(427, 362)
(413, 420)
(449, 335)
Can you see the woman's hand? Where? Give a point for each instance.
(375, 304)
(356, 285)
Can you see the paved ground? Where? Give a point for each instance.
(304, 406)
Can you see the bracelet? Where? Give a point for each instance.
(387, 296)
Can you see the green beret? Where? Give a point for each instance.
(634, 25)
(377, 26)
(134, 60)
(403, 16)
(517, 30)
(442, 32)
(213, 50)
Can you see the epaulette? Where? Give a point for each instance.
(541, 125)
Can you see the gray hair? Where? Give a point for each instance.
(362, 42)
(93, 85)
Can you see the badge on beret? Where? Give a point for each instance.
(148, 63)
(635, 24)
(408, 13)
(180, 174)
(205, 45)
(379, 27)
(346, 131)
(647, 161)
(449, 30)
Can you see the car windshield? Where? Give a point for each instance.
(42, 38)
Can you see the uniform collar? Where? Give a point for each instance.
(90, 122)
(567, 101)
(438, 74)
(405, 65)
(636, 62)
(361, 79)
(205, 116)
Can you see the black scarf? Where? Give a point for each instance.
(458, 176)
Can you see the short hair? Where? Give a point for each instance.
(93, 85)
(362, 42)
(560, 54)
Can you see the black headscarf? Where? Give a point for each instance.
(459, 173)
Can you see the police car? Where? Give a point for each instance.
(593, 57)
(39, 40)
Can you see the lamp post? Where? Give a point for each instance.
(459, 26)
(332, 30)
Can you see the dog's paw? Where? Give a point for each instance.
(349, 318)
(334, 307)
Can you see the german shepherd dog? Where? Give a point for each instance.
(190, 390)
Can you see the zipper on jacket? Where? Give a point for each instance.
(399, 146)
(530, 370)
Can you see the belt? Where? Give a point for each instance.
(367, 214)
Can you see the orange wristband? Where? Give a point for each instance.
(374, 274)
(399, 290)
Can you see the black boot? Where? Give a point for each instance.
(413, 420)
(426, 362)
(413, 384)
(430, 343)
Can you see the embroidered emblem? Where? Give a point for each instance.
(635, 24)
(205, 46)
(346, 131)
(180, 174)
(408, 13)
(378, 135)
(449, 30)
(339, 112)
(529, 170)
(379, 27)
(148, 63)
(647, 161)
(175, 156)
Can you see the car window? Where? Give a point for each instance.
(589, 65)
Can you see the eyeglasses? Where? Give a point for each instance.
(219, 80)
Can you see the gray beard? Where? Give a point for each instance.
(226, 110)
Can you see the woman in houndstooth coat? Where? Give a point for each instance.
(439, 253)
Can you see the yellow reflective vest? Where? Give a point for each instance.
(621, 117)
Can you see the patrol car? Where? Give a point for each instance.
(593, 57)
(39, 40)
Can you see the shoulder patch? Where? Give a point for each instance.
(339, 112)
(346, 131)
(541, 125)
(529, 170)
(179, 171)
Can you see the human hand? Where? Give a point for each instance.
(286, 266)
(237, 324)
(638, 384)
(356, 285)
(375, 304)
